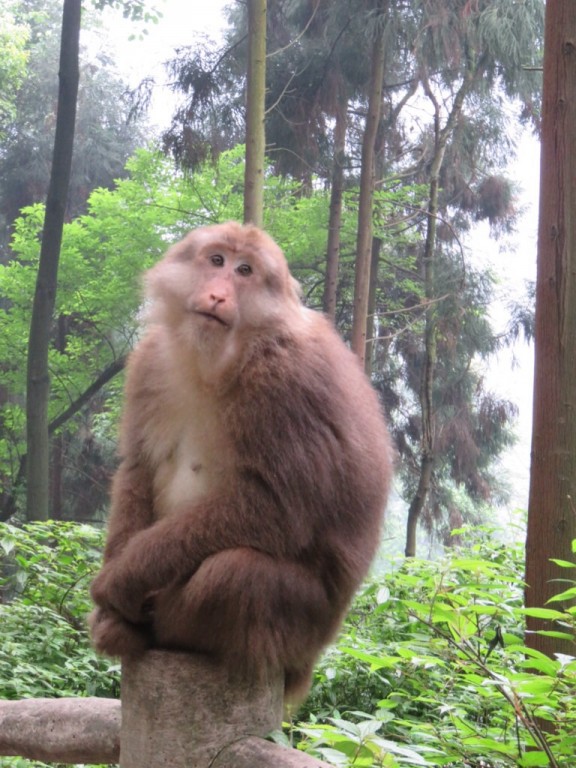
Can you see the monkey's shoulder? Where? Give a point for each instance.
(311, 362)
(306, 383)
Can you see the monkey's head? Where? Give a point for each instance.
(220, 281)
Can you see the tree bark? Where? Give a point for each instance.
(255, 130)
(366, 202)
(552, 499)
(38, 380)
(61, 730)
(371, 313)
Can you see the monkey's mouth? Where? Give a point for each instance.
(212, 317)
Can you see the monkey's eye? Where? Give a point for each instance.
(244, 270)
(217, 259)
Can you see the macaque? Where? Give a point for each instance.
(255, 467)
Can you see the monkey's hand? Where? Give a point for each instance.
(118, 589)
(114, 636)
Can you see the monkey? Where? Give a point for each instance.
(255, 465)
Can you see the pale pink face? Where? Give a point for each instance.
(223, 278)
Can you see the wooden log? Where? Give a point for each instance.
(61, 730)
(253, 752)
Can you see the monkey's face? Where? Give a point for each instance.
(222, 280)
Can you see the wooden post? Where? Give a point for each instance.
(181, 710)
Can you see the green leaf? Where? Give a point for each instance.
(530, 759)
(553, 633)
(568, 594)
(563, 563)
(376, 662)
(543, 613)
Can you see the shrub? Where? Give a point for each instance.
(433, 660)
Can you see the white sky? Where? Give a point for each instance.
(181, 23)
(510, 373)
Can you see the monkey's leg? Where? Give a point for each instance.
(251, 611)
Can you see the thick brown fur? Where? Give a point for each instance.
(255, 468)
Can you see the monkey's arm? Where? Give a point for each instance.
(132, 503)
(131, 512)
(173, 548)
(132, 506)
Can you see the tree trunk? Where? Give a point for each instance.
(427, 440)
(370, 317)
(335, 216)
(551, 507)
(57, 453)
(58, 443)
(417, 503)
(38, 381)
(426, 395)
(365, 206)
(255, 132)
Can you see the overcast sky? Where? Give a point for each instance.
(181, 23)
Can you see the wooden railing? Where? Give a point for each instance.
(178, 710)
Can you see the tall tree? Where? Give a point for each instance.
(255, 100)
(367, 180)
(480, 52)
(552, 500)
(475, 68)
(38, 380)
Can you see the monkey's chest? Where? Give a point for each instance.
(188, 470)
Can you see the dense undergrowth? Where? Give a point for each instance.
(431, 668)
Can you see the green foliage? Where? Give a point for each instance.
(13, 58)
(135, 10)
(46, 570)
(433, 659)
